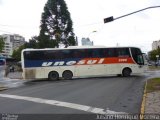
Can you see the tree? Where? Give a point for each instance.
(153, 53)
(56, 25)
(1, 44)
(17, 53)
(33, 43)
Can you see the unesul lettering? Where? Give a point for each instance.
(81, 62)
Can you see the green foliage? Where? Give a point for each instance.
(17, 53)
(33, 43)
(153, 53)
(56, 25)
(1, 44)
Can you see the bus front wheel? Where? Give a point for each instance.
(53, 75)
(126, 72)
(67, 74)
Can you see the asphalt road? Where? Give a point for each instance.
(115, 94)
(9, 83)
(1, 68)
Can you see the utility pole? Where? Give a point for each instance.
(111, 18)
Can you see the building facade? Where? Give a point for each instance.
(87, 42)
(12, 42)
(155, 45)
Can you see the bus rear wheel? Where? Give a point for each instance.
(67, 74)
(53, 75)
(126, 72)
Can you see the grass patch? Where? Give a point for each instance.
(153, 85)
(154, 68)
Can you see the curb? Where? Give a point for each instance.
(2, 88)
(143, 102)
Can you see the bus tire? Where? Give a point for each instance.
(67, 74)
(53, 75)
(126, 72)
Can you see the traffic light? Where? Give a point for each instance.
(109, 19)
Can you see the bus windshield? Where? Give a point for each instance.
(137, 56)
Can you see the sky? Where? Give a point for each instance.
(141, 29)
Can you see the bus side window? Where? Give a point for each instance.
(89, 53)
(40, 55)
(58, 54)
(98, 53)
(123, 52)
(102, 53)
(49, 55)
(67, 54)
(95, 53)
(33, 55)
(75, 54)
(82, 53)
(111, 52)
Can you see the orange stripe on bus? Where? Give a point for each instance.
(113, 60)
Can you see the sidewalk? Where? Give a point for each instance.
(15, 75)
(13, 79)
(151, 100)
(152, 104)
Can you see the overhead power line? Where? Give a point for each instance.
(8, 25)
(21, 27)
(6, 32)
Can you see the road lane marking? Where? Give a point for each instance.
(62, 104)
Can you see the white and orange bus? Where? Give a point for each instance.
(72, 62)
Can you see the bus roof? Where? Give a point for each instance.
(77, 47)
